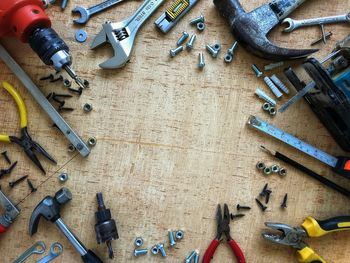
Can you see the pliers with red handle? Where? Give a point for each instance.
(223, 222)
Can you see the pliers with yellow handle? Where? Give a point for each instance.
(294, 236)
(25, 141)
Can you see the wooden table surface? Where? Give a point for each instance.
(172, 143)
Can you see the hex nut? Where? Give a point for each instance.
(179, 234)
(275, 168)
(67, 83)
(266, 106)
(200, 26)
(92, 141)
(272, 111)
(228, 58)
(155, 250)
(217, 47)
(71, 148)
(138, 242)
(267, 170)
(282, 172)
(260, 165)
(87, 107)
(63, 177)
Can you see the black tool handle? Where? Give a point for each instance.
(283, 8)
(90, 257)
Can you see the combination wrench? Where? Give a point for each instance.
(86, 13)
(38, 248)
(55, 250)
(294, 24)
(122, 35)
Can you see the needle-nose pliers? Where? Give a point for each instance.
(25, 141)
(294, 236)
(223, 227)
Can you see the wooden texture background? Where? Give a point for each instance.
(172, 143)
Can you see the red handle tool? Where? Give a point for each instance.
(11, 212)
(209, 253)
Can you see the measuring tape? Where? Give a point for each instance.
(340, 165)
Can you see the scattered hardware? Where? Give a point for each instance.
(326, 36)
(260, 21)
(279, 84)
(262, 95)
(266, 106)
(173, 52)
(200, 26)
(6, 157)
(261, 205)
(86, 13)
(172, 241)
(49, 208)
(59, 78)
(199, 19)
(190, 257)
(272, 111)
(242, 207)
(87, 107)
(67, 83)
(272, 66)
(196, 257)
(282, 171)
(179, 234)
(267, 170)
(48, 77)
(340, 165)
(294, 236)
(201, 62)
(71, 148)
(294, 24)
(263, 191)
(161, 249)
(122, 35)
(190, 43)
(223, 228)
(182, 39)
(275, 168)
(257, 71)
(81, 36)
(155, 250)
(105, 228)
(56, 249)
(17, 181)
(273, 87)
(35, 28)
(140, 251)
(92, 141)
(8, 170)
(44, 103)
(31, 186)
(11, 212)
(63, 177)
(267, 196)
(64, 4)
(212, 51)
(231, 52)
(284, 202)
(25, 141)
(234, 216)
(260, 165)
(173, 14)
(38, 248)
(138, 242)
(307, 171)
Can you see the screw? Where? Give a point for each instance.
(190, 256)
(60, 77)
(236, 216)
(262, 95)
(283, 172)
(197, 20)
(6, 157)
(201, 63)
(239, 207)
(267, 197)
(87, 107)
(140, 252)
(50, 77)
(263, 191)
(327, 36)
(261, 205)
(284, 202)
(200, 26)
(161, 248)
(279, 83)
(273, 87)
(213, 52)
(171, 238)
(173, 52)
(31, 186)
(14, 183)
(78, 91)
(257, 71)
(190, 43)
(182, 39)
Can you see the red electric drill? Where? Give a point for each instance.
(26, 20)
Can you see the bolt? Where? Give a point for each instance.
(201, 63)
(138, 242)
(279, 84)
(14, 183)
(239, 207)
(283, 172)
(173, 52)
(284, 202)
(197, 20)
(232, 49)
(64, 4)
(273, 87)
(182, 39)
(31, 186)
(6, 157)
(87, 107)
(140, 252)
(262, 95)
(171, 238)
(236, 216)
(200, 26)
(263, 191)
(190, 43)
(190, 256)
(213, 52)
(196, 257)
(261, 205)
(273, 65)
(161, 248)
(327, 36)
(257, 71)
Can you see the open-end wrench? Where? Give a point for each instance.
(38, 248)
(86, 13)
(294, 24)
(122, 35)
(55, 250)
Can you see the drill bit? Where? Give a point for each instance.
(74, 76)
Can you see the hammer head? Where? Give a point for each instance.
(251, 29)
(49, 208)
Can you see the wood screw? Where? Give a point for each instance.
(14, 183)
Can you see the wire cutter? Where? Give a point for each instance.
(294, 236)
(25, 141)
(223, 227)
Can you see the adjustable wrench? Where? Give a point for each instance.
(38, 248)
(294, 24)
(122, 35)
(55, 250)
(86, 13)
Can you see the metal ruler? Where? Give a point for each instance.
(300, 145)
(71, 135)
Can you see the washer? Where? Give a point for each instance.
(81, 36)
